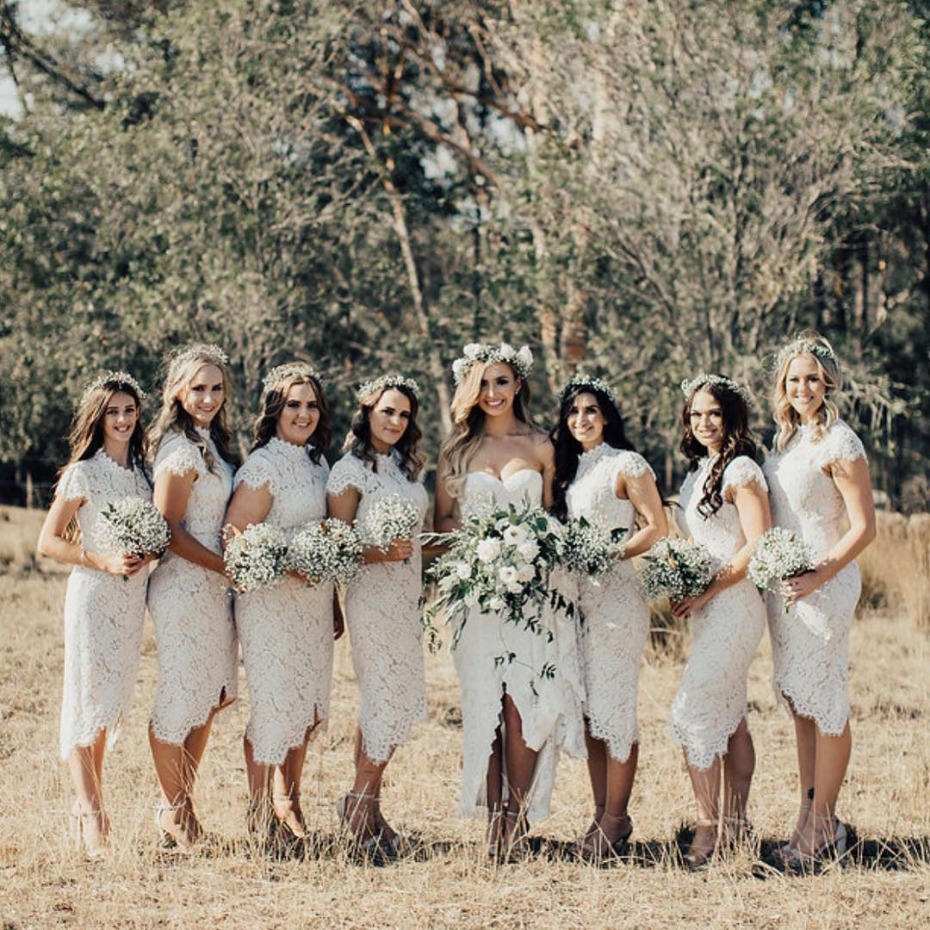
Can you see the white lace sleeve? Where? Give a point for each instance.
(633, 465)
(841, 444)
(179, 456)
(348, 472)
(256, 472)
(73, 484)
(741, 472)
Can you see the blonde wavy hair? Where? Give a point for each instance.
(173, 418)
(460, 446)
(786, 417)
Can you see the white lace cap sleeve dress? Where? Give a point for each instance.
(286, 631)
(616, 615)
(810, 643)
(711, 699)
(190, 605)
(383, 616)
(549, 708)
(103, 612)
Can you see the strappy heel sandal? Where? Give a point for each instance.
(786, 850)
(293, 827)
(515, 842)
(92, 852)
(181, 836)
(365, 836)
(698, 858)
(833, 848)
(599, 848)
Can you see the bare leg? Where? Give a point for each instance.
(706, 786)
(832, 761)
(287, 778)
(360, 808)
(258, 776)
(805, 731)
(494, 788)
(86, 767)
(739, 764)
(520, 766)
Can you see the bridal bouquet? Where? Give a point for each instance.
(498, 562)
(676, 568)
(327, 550)
(134, 526)
(779, 554)
(389, 518)
(256, 557)
(588, 549)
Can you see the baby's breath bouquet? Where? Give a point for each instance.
(676, 568)
(256, 557)
(134, 526)
(327, 550)
(498, 562)
(389, 518)
(779, 554)
(589, 549)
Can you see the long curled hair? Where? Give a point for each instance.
(274, 399)
(786, 417)
(568, 450)
(86, 435)
(358, 440)
(182, 369)
(737, 440)
(468, 419)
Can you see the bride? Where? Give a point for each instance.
(513, 720)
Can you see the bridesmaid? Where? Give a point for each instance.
(189, 596)
(821, 490)
(105, 600)
(598, 476)
(724, 505)
(382, 606)
(286, 631)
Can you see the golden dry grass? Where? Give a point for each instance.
(44, 883)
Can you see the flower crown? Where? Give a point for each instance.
(689, 387)
(121, 377)
(521, 361)
(586, 381)
(379, 385)
(288, 370)
(212, 355)
(806, 345)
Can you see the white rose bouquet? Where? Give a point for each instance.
(779, 554)
(256, 557)
(499, 562)
(676, 568)
(328, 550)
(588, 549)
(389, 518)
(134, 526)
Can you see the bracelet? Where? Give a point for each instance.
(83, 557)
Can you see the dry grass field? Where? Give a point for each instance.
(447, 883)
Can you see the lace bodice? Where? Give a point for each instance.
(206, 505)
(351, 472)
(99, 481)
(297, 485)
(592, 494)
(484, 492)
(804, 498)
(720, 533)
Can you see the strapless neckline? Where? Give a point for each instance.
(508, 479)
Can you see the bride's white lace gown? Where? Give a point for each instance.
(103, 612)
(711, 699)
(190, 605)
(616, 615)
(550, 708)
(286, 631)
(383, 615)
(810, 643)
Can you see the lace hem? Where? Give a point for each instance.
(702, 756)
(378, 747)
(274, 753)
(830, 724)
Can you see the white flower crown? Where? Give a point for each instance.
(212, 354)
(288, 370)
(806, 345)
(521, 361)
(122, 377)
(689, 387)
(586, 381)
(381, 384)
